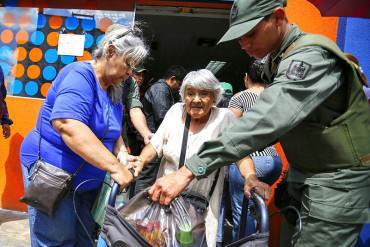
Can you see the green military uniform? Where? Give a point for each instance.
(130, 100)
(131, 94)
(308, 88)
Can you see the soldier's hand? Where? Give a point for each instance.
(167, 188)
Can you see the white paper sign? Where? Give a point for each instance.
(71, 44)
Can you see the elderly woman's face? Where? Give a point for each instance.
(116, 69)
(198, 102)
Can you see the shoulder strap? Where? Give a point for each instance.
(184, 140)
(315, 40)
(183, 153)
(214, 183)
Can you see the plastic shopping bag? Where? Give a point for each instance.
(176, 225)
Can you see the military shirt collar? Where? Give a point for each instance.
(293, 34)
(274, 58)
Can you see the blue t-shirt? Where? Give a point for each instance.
(75, 94)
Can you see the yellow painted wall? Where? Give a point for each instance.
(24, 111)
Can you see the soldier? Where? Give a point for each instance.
(315, 107)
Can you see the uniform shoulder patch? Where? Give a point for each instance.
(298, 70)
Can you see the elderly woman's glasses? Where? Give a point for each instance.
(125, 33)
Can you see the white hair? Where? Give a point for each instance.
(202, 79)
(127, 43)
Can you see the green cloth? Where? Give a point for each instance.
(100, 205)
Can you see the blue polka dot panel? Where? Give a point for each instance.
(38, 62)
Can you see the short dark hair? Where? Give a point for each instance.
(177, 71)
(255, 70)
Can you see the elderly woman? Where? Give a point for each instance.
(200, 93)
(79, 125)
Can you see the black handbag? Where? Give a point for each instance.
(47, 186)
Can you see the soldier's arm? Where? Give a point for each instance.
(295, 93)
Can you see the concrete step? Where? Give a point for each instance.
(14, 229)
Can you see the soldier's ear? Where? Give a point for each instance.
(279, 15)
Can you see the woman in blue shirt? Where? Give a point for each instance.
(80, 122)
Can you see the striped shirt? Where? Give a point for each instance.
(243, 101)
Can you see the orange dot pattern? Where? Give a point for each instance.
(45, 88)
(8, 19)
(52, 38)
(21, 37)
(86, 56)
(33, 71)
(7, 36)
(104, 23)
(18, 70)
(20, 53)
(55, 22)
(35, 54)
(24, 21)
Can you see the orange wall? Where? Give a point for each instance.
(309, 19)
(24, 110)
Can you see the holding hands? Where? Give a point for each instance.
(136, 164)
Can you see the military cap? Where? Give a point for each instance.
(246, 14)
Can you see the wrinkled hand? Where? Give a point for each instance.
(122, 176)
(148, 137)
(137, 164)
(252, 182)
(169, 187)
(6, 130)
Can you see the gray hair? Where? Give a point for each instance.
(126, 42)
(202, 79)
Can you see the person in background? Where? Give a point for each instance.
(263, 165)
(5, 121)
(80, 124)
(200, 93)
(315, 106)
(132, 138)
(226, 94)
(139, 75)
(157, 101)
